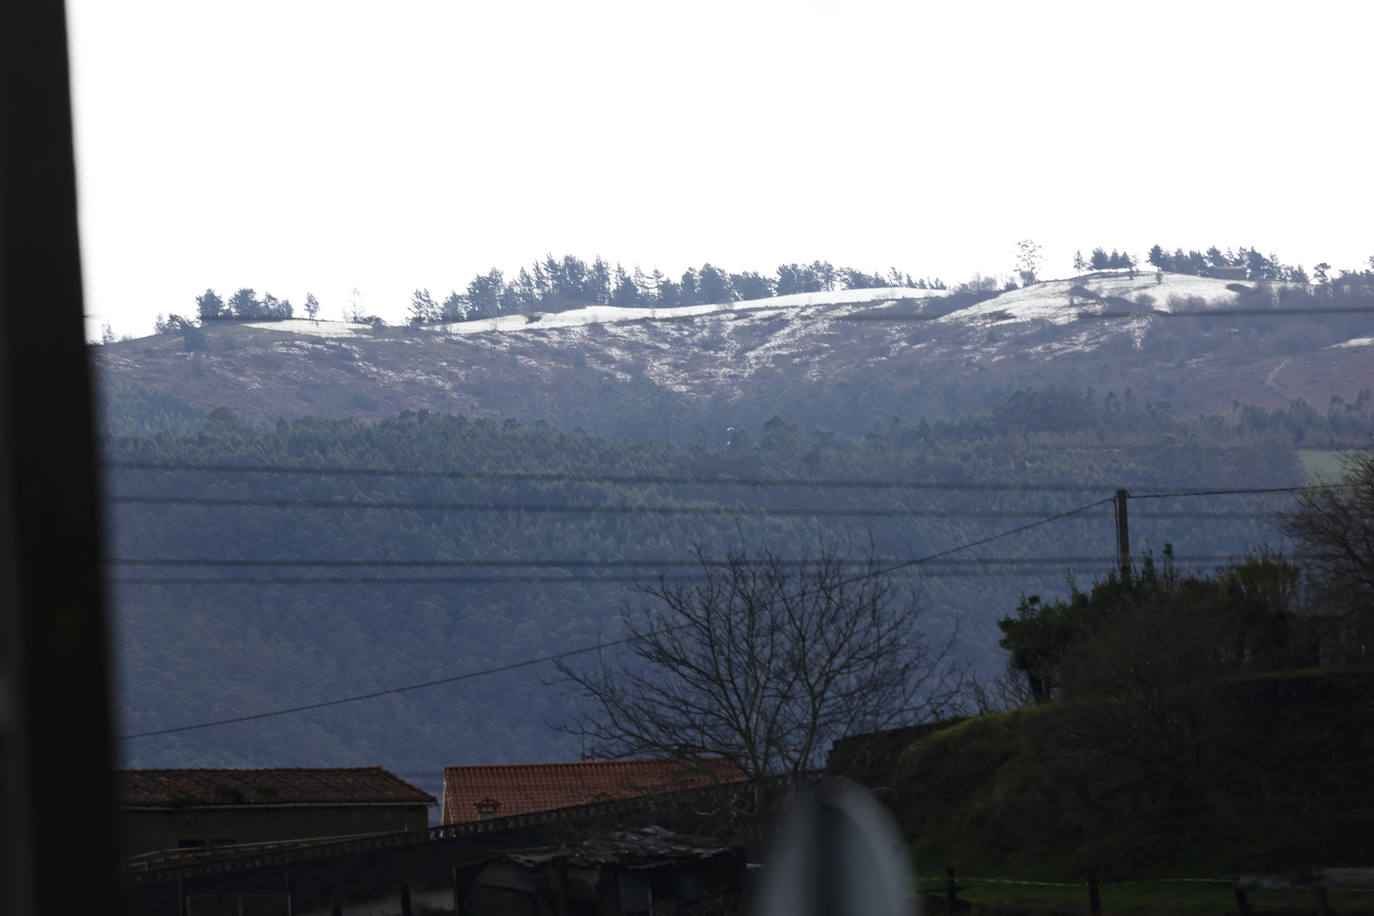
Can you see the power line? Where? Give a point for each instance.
(1240, 491)
(378, 693)
(764, 511)
(998, 536)
(663, 479)
(575, 563)
(698, 510)
(625, 479)
(573, 652)
(1208, 513)
(1092, 566)
(695, 510)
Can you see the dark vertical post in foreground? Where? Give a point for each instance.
(1123, 534)
(952, 890)
(57, 820)
(1094, 899)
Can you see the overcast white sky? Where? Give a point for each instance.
(295, 145)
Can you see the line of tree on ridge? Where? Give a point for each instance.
(551, 284)
(1233, 263)
(245, 306)
(1242, 262)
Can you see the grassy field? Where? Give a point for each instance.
(1141, 898)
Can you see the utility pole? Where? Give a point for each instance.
(1123, 534)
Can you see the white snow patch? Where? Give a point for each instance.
(1354, 342)
(1050, 300)
(609, 314)
(314, 328)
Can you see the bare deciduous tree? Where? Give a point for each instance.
(1334, 530)
(765, 663)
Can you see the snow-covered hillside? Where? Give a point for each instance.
(849, 355)
(1052, 299)
(609, 314)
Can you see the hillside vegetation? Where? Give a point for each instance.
(305, 602)
(1018, 794)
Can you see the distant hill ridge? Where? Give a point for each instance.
(844, 359)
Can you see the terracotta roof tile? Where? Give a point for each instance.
(528, 787)
(283, 786)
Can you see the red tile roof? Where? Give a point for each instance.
(527, 787)
(285, 786)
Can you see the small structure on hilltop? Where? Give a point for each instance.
(194, 810)
(474, 793)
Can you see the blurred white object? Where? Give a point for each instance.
(837, 852)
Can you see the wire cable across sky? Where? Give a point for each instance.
(571, 653)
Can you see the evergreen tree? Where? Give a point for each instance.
(625, 294)
(209, 306)
(713, 285)
(543, 280)
(422, 307)
(850, 278)
(455, 307)
(312, 306)
(526, 290)
(656, 283)
(274, 308)
(597, 286)
(510, 301)
(669, 293)
(1259, 267)
(824, 272)
(751, 285)
(790, 279)
(244, 304)
(484, 294)
(687, 291)
(573, 280)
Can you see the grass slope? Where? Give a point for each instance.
(1013, 795)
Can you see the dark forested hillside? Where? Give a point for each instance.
(310, 559)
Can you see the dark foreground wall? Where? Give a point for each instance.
(152, 829)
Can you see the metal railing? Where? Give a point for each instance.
(151, 868)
